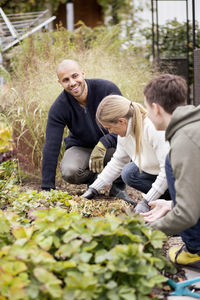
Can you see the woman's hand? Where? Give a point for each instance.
(160, 208)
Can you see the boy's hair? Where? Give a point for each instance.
(170, 91)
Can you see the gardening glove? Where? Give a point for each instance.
(90, 193)
(97, 158)
(142, 207)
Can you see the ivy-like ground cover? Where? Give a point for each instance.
(66, 256)
(51, 249)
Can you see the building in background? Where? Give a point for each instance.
(87, 11)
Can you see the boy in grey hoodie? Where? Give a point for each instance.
(165, 100)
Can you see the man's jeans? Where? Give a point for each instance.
(141, 181)
(191, 236)
(75, 166)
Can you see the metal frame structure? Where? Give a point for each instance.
(155, 41)
(16, 27)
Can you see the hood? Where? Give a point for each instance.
(182, 116)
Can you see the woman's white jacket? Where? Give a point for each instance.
(153, 155)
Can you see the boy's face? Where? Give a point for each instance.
(155, 114)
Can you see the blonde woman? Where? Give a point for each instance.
(140, 153)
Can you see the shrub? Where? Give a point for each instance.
(64, 256)
(9, 168)
(9, 177)
(6, 142)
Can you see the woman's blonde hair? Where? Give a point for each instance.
(113, 107)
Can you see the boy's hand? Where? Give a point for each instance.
(160, 208)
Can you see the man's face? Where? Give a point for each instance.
(72, 79)
(154, 112)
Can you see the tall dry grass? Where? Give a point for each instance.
(34, 85)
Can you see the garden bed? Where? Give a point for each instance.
(102, 201)
(104, 231)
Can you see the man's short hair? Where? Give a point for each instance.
(170, 91)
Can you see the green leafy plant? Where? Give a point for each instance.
(65, 256)
(19, 6)
(116, 9)
(6, 142)
(49, 252)
(9, 177)
(173, 41)
(24, 203)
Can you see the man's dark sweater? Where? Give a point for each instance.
(81, 122)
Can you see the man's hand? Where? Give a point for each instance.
(160, 209)
(97, 158)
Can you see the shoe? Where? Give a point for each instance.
(121, 194)
(142, 207)
(116, 188)
(124, 196)
(90, 193)
(181, 256)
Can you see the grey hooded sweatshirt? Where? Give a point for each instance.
(183, 134)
